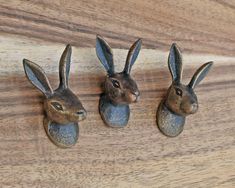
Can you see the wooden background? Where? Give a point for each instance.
(138, 155)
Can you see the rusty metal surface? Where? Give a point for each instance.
(180, 99)
(63, 108)
(120, 89)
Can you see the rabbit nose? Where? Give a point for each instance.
(194, 107)
(136, 95)
(81, 113)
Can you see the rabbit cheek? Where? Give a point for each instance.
(110, 91)
(50, 112)
(54, 115)
(113, 94)
(72, 118)
(58, 117)
(173, 102)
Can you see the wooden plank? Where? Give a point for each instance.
(136, 156)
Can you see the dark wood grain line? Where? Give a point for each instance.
(69, 26)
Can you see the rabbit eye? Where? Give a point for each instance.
(178, 92)
(116, 83)
(57, 106)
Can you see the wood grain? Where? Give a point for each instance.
(205, 26)
(138, 155)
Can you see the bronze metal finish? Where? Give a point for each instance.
(180, 100)
(119, 88)
(63, 108)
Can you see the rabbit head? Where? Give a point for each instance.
(181, 98)
(120, 88)
(61, 105)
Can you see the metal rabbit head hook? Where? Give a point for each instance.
(120, 88)
(63, 108)
(180, 100)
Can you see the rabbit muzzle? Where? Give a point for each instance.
(134, 96)
(81, 115)
(189, 107)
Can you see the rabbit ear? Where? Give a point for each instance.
(200, 74)
(64, 67)
(37, 77)
(132, 56)
(105, 54)
(175, 63)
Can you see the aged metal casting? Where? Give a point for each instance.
(120, 88)
(63, 108)
(180, 100)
